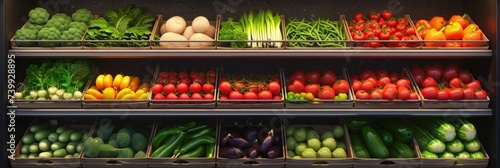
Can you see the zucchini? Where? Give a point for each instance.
(358, 147)
(440, 129)
(399, 149)
(454, 146)
(60, 153)
(376, 147)
(386, 136)
(400, 130)
(43, 134)
(465, 129)
(65, 136)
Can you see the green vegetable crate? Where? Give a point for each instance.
(118, 141)
(52, 137)
(196, 43)
(317, 34)
(178, 142)
(327, 137)
(293, 102)
(250, 141)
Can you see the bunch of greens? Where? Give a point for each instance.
(231, 30)
(63, 76)
(129, 22)
(262, 26)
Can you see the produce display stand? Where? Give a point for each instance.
(321, 125)
(157, 31)
(75, 123)
(274, 123)
(146, 122)
(198, 162)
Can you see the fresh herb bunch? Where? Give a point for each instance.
(231, 30)
(126, 23)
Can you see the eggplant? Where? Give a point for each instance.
(273, 152)
(253, 152)
(251, 134)
(267, 142)
(277, 139)
(262, 133)
(230, 152)
(238, 141)
(224, 140)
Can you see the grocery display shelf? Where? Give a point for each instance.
(378, 53)
(254, 112)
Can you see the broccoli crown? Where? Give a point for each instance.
(35, 27)
(49, 33)
(62, 15)
(71, 34)
(38, 16)
(59, 23)
(25, 34)
(78, 25)
(82, 15)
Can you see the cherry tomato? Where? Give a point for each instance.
(362, 95)
(274, 88)
(481, 94)
(359, 16)
(456, 83)
(375, 94)
(265, 95)
(169, 88)
(465, 76)
(429, 81)
(313, 76)
(374, 15)
(156, 89)
(225, 88)
(430, 92)
(386, 14)
(456, 94)
(469, 93)
(475, 84)
(312, 88)
(235, 95)
(392, 22)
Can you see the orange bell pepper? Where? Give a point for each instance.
(454, 31)
(453, 44)
(423, 26)
(434, 35)
(460, 19)
(473, 34)
(469, 27)
(437, 22)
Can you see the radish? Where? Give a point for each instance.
(52, 90)
(60, 92)
(67, 96)
(77, 95)
(18, 95)
(33, 94)
(42, 93)
(54, 97)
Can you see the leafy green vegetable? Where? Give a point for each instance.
(127, 23)
(25, 34)
(231, 30)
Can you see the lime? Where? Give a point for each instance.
(338, 131)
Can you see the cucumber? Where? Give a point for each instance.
(359, 147)
(53, 137)
(399, 149)
(25, 149)
(28, 139)
(76, 136)
(45, 155)
(376, 147)
(44, 145)
(64, 137)
(60, 153)
(386, 136)
(400, 130)
(354, 124)
(71, 147)
(39, 127)
(61, 129)
(439, 128)
(57, 145)
(43, 134)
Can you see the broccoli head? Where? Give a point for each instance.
(35, 27)
(71, 34)
(78, 25)
(49, 33)
(25, 34)
(59, 23)
(38, 16)
(62, 15)
(82, 15)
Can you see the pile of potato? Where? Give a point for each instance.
(175, 29)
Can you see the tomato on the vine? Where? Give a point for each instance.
(386, 14)
(265, 95)
(274, 88)
(374, 15)
(235, 95)
(225, 88)
(249, 95)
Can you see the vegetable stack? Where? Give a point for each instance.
(59, 27)
(438, 138)
(380, 139)
(184, 141)
(455, 32)
(61, 80)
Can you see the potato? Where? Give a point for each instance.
(176, 24)
(200, 37)
(188, 32)
(200, 24)
(173, 37)
(163, 28)
(210, 32)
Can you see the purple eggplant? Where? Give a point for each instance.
(277, 139)
(230, 152)
(238, 141)
(262, 133)
(253, 152)
(224, 140)
(273, 152)
(251, 134)
(267, 142)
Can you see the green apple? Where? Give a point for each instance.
(341, 144)
(312, 134)
(300, 135)
(300, 148)
(290, 131)
(308, 153)
(314, 144)
(339, 153)
(327, 134)
(324, 152)
(338, 131)
(291, 143)
(329, 143)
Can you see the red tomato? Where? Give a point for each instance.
(265, 95)
(389, 93)
(394, 77)
(442, 95)
(456, 94)
(161, 80)
(182, 88)
(403, 93)
(193, 74)
(418, 76)
(456, 83)
(277, 80)
(362, 95)
(383, 81)
(475, 84)
(172, 96)
(299, 75)
(356, 85)
(326, 93)
(223, 98)
(210, 80)
(196, 96)
(235, 95)
(450, 72)
(312, 88)
(208, 88)
(274, 88)
(186, 81)
(239, 86)
(429, 81)
(375, 94)
(163, 74)
(197, 79)
(413, 96)
(211, 74)
(382, 73)
(156, 89)
(158, 97)
(182, 74)
(481, 94)
(169, 88)
(202, 74)
(277, 97)
(433, 72)
(253, 88)
(465, 76)
(184, 96)
(366, 74)
(328, 78)
(313, 76)
(415, 69)
(367, 85)
(172, 74)
(374, 15)
(403, 83)
(172, 80)
(225, 88)
(208, 96)
(249, 95)
(386, 14)
(296, 87)
(430, 92)
(359, 16)
(341, 86)
(195, 88)
(391, 85)
(469, 93)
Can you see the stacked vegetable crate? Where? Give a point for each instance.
(57, 138)
(118, 142)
